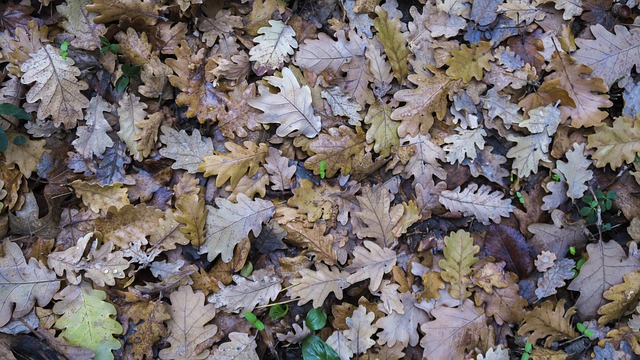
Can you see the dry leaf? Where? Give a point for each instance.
(459, 252)
(360, 330)
(370, 261)
(483, 204)
(188, 151)
(234, 164)
(274, 46)
(575, 171)
(548, 322)
(317, 285)
(246, 294)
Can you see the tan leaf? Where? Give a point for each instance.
(102, 265)
(223, 23)
(26, 155)
(317, 285)
(393, 42)
(250, 185)
(491, 275)
(228, 224)
(459, 256)
(402, 328)
(616, 144)
(239, 115)
(56, 86)
(129, 224)
(557, 238)
(24, 283)
(548, 322)
(130, 112)
(463, 145)
(610, 55)
(485, 205)
(80, 24)
(453, 332)
(360, 330)
(114, 10)
(234, 164)
(246, 294)
(528, 152)
(606, 266)
(544, 261)
(291, 108)
(430, 96)
(424, 164)
(241, 347)
(587, 92)
(342, 105)
(149, 317)
(101, 198)
(189, 335)
(383, 131)
(314, 240)
(315, 202)
(274, 46)
(378, 216)
(505, 305)
(341, 149)
(280, 173)
(325, 53)
(623, 297)
(187, 150)
(92, 138)
(370, 261)
(134, 47)
(575, 171)
(155, 77)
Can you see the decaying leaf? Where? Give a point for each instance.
(623, 297)
(317, 285)
(188, 151)
(371, 262)
(246, 294)
(360, 329)
(548, 322)
(485, 205)
(274, 46)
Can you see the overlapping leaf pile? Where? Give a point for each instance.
(446, 179)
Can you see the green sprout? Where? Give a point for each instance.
(322, 168)
(603, 200)
(108, 46)
(528, 347)
(64, 50)
(572, 250)
(128, 72)
(584, 331)
(278, 311)
(555, 177)
(520, 198)
(251, 318)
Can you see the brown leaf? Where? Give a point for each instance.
(548, 322)
(508, 245)
(624, 298)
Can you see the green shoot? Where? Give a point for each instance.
(64, 50)
(278, 311)
(520, 198)
(107, 46)
(555, 177)
(251, 318)
(572, 250)
(584, 331)
(322, 169)
(528, 347)
(247, 269)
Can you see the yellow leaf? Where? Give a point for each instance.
(25, 156)
(394, 43)
(548, 322)
(57, 87)
(617, 143)
(234, 164)
(624, 298)
(459, 254)
(384, 130)
(468, 62)
(101, 198)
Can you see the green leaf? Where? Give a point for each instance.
(581, 327)
(313, 348)
(585, 211)
(4, 140)
(525, 356)
(316, 319)
(580, 263)
(122, 83)
(86, 319)
(247, 269)
(528, 347)
(19, 140)
(589, 333)
(10, 109)
(278, 311)
(254, 320)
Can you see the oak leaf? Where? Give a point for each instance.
(280, 173)
(233, 165)
(360, 330)
(463, 145)
(214, 27)
(239, 116)
(102, 265)
(231, 222)
(341, 148)
(468, 62)
(56, 86)
(316, 202)
(459, 256)
(505, 305)
(23, 283)
(454, 331)
(149, 318)
(616, 144)
(342, 105)
(623, 297)
(114, 10)
(393, 42)
(130, 112)
(610, 55)
(485, 205)
(378, 216)
(86, 319)
(324, 247)
(246, 294)
(291, 107)
(528, 152)
(370, 261)
(187, 150)
(80, 24)
(430, 96)
(189, 335)
(155, 77)
(547, 321)
(606, 266)
(491, 275)
(559, 236)
(402, 328)
(575, 171)
(274, 46)
(586, 92)
(134, 48)
(241, 347)
(93, 139)
(424, 164)
(101, 198)
(25, 155)
(129, 224)
(555, 278)
(317, 285)
(325, 53)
